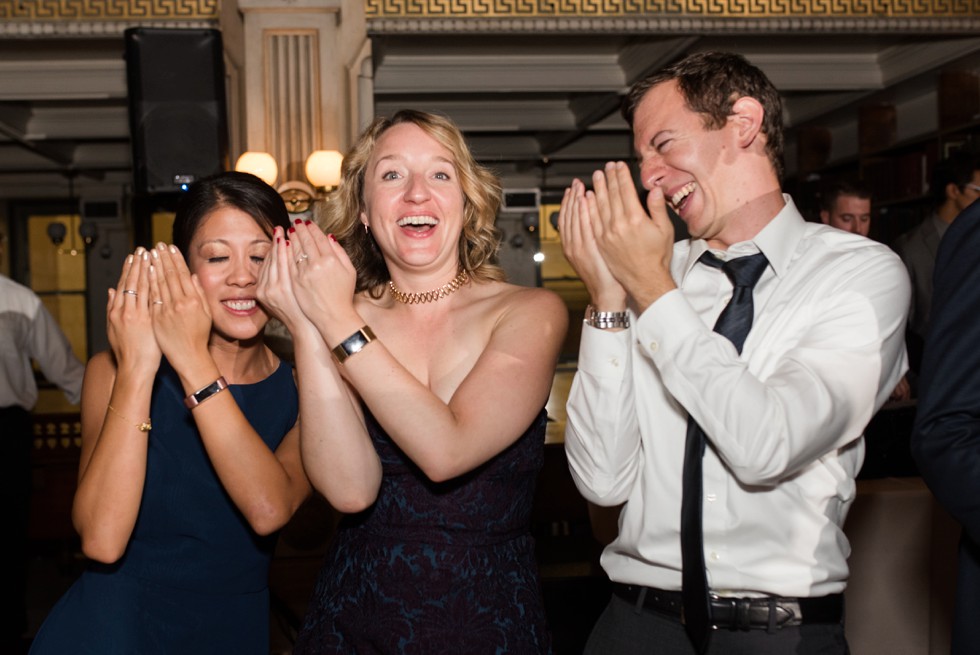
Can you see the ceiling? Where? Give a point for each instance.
(539, 109)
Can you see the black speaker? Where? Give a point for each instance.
(177, 109)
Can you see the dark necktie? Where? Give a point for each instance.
(734, 322)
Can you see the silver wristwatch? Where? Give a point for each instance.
(606, 320)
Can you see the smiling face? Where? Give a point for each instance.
(720, 181)
(225, 253)
(687, 160)
(850, 213)
(413, 200)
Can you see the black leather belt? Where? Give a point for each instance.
(766, 613)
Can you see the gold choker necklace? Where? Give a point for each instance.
(428, 296)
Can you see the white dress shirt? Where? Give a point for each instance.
(784, 419)
(28, 331)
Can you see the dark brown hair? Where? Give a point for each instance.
(242, 191)
(711, 82)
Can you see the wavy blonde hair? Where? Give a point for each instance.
(479, 240)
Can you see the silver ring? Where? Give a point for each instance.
(302, 258)
(157, 302)
(130, 292)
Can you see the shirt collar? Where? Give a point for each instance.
(777, 241)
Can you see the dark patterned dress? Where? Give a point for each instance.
(435, 568)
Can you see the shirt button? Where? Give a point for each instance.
(710, 497)
(614, 361)
(715, 556)
(654, 346)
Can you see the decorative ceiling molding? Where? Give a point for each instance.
(672, 8)
(418, 22)
(108, 10)
(83, 29)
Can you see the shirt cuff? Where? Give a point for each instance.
(665, 324)
(604, 354)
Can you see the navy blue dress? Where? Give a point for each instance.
(194, 578)
(435, 568)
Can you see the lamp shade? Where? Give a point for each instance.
(260, 164)
(323, 168)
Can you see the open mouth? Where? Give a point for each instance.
(243, 305)
(418, 224)
(680, 197)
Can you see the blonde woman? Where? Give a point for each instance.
(423, 377)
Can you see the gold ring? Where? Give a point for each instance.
(157, 302)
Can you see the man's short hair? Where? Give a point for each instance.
(838, 188)
(711, 82)
(956, 169)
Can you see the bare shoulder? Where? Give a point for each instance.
(536, 304)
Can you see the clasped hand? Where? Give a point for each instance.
(157, 308)
(621, 253)
(307, 278)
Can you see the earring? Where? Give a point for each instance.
(366, 229)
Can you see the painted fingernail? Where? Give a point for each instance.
(129, 259)
(156, 254)
(173, 249)
(292, 229)
(298, 221)
(278, 239)
(161, 245)
(309, 222)
(287, 243)
(332, 237)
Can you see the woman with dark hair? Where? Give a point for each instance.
(190, 457)
(423, 377)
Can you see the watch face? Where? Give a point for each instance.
(199, 397)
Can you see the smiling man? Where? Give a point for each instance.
(733, 450)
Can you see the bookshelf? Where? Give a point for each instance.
(896, 146)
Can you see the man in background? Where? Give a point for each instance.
(946, 436)
(847, 207)
(27, 332)
(955, 184)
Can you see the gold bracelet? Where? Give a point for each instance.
(145, 426)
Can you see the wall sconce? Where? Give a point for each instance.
(322, 170)
(260, 164)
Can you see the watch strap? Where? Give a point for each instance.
(606, 320)
(204, 393)
(353, 344)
